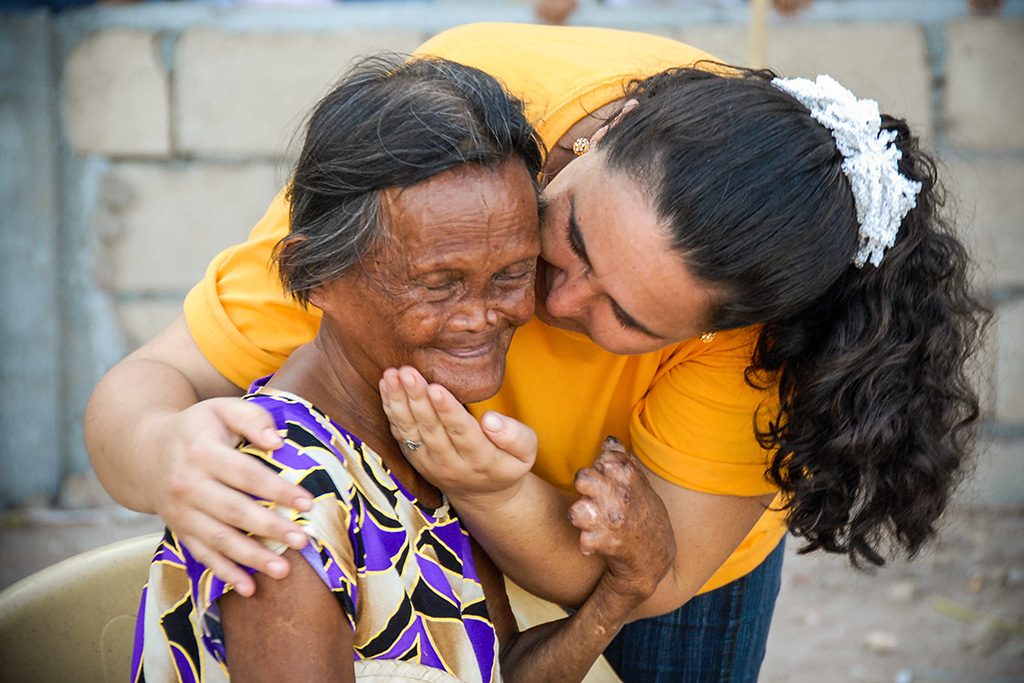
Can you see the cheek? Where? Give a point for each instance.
(518, 305)
(418, 325)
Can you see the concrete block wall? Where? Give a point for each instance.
(174, 122)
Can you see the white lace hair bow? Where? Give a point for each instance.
(881, 194)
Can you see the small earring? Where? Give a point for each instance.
(707, 337)
(581, 146)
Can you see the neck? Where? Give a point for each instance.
(322, 373)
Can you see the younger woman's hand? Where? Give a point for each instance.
(205, 488)
(622, 519)
(457, 454)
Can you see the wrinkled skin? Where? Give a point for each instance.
(621, 518)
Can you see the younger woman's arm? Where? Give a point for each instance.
(157, 446)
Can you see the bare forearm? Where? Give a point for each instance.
(565, 650)
(119, 420)
(530, 538)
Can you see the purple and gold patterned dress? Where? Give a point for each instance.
(402, 573)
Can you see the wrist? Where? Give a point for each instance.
(632, 587)
(153, 469)
(486, 502)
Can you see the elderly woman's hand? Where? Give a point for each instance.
(448, 446)
(622, 519)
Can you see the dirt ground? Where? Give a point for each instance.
(954, 615)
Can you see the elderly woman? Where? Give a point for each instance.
(414, 230)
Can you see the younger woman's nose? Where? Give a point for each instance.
(569, 296)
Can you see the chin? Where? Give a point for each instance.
(476, 386)
(469, 380)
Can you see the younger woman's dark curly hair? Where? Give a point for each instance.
(875, 404)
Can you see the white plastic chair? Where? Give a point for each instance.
(75, 621)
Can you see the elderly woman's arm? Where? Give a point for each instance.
(157, 447)
(290, 630)
(624, 522)
(295, 629)
(523, 522)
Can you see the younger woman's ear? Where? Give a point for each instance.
(629, 106)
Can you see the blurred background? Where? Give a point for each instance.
(137, 140)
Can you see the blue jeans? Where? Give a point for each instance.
(716, 636)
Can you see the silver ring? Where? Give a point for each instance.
(412, 445)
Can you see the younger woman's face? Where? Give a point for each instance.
(607, 269)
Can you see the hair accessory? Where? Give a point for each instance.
(707, 337)
(412, 445)
(881, 194)
(581, 146)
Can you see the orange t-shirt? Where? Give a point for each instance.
(685, 410)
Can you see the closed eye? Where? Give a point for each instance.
(439, 286)
(579, 248)
(629, 322)
(522, 275)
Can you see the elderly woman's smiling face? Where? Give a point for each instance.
(446, 290)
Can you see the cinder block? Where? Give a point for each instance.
(248, 93)
(982, 370)
(985, 83)
(989, 209)
(884, 62)
(1009, 346)
(998, 480)
(173, 220)
(115, 99)
(141, 320)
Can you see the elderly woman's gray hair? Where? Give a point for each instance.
(390, 122)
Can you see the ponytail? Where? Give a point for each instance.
(874, 425)
(876, 407)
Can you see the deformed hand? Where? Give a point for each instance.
(622, 519)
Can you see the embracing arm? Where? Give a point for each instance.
(529, 534)
(157, 446)
(523, 522)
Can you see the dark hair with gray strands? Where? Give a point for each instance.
(390, 122)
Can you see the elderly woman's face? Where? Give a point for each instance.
(446, 291)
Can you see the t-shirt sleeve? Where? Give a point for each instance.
(696, 425)
(239, 315)
(327, 524)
